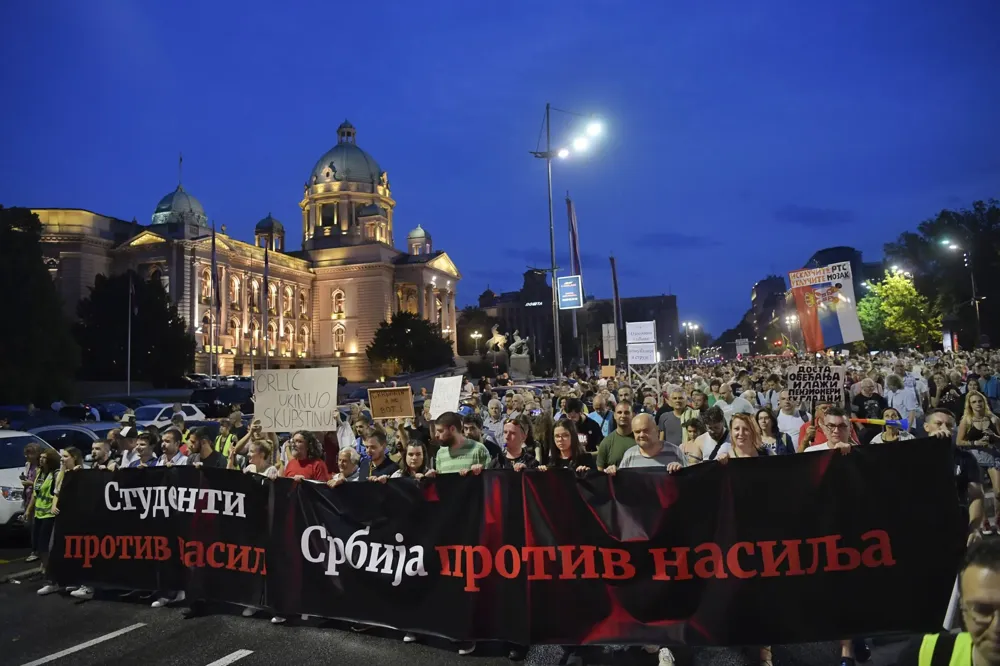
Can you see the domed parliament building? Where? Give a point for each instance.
(323, 302)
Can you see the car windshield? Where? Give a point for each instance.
(12, 450)
(147, 413)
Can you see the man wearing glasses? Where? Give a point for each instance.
(979, 645)
(837, 428)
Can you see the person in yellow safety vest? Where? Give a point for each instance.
(979, 601)
(225, 439)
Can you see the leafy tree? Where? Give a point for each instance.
(943, 254)
(896, 315)
(162, 349)
(473, 319)
(411, 343)
(38, 357)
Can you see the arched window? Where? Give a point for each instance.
(304, 338)
(303, 305)
(288, 338)
(206, 330)
(339, 338)
(272, 298)
(255, 334)
(287, 300)
(255, 296)
(234, 293)
(338, 302)
(206, 286)
(272, 336)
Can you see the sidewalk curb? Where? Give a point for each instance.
(21, 575)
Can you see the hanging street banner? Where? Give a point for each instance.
(570, 290)
(711, 555)
(826, 305)
(299, 399)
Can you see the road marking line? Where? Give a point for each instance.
(230, 658)
(84, 646)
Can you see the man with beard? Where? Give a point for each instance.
(612, 449)
(457, 453)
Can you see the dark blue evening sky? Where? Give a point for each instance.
(742, 136)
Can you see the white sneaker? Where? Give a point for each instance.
(180, 596)
(48, 589)
(31, 558)
(277, 619)
(666, 657)
(248, 612)
(85, 593)
(305, 618)
(161, 602)
(409, 638)
(467, 648)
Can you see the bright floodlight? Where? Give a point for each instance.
(952, 247)
(581, 143)
(945, 241)
(594, 128)
(895, 268)
(563, 153)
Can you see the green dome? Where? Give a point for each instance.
(345, 162)
(417, 234)
(269, 225)
(179, 206)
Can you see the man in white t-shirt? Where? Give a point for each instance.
(790, 417)
(731, 403)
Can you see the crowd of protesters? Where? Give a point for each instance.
(696, 414)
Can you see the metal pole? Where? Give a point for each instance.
(552, 242)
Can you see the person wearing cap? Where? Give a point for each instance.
(127, 437)
(225, 440)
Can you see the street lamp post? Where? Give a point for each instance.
(580, 144)
(972, 277)
(476, 335)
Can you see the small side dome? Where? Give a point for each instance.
(269, 225)
(418, 234)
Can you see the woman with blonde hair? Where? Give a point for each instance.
(979, 431)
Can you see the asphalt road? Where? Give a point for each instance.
(61, 630)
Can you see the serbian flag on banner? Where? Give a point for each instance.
(826, 305)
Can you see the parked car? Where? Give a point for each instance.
(80, 435)
(160, 414)
(217, 402)
(12, 443)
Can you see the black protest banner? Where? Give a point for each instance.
(164, 528)
(773, 550)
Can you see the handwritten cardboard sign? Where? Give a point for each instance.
(298, 399)
(391, 403)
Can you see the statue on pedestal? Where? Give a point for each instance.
(519, 347)
(498, 339)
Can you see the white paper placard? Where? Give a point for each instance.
(300, 399)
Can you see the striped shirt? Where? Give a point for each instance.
(452, 461)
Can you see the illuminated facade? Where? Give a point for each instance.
(324, 302)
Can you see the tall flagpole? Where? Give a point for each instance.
(267, 304)
(128, 362)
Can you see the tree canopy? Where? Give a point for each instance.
(945, 252)
(410, 344)
(162, 349)
(39, 358)
(894, 314)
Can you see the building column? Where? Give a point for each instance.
(454, 317)
(305, 223)
(432, 295)
(223, 323)
(421, 300)
(279, 303)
